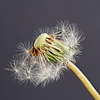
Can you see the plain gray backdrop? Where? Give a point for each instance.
(19, 19)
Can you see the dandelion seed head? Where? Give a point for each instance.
(45, 60)
(40, 41)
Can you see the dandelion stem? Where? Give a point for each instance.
(84, 80)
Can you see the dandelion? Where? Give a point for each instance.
(53, 51)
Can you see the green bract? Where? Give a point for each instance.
(56, 50)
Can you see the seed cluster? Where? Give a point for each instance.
(45, 60)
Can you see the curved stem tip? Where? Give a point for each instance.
(84, 80)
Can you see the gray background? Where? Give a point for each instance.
(18, 20)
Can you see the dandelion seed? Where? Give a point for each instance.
(46, 59)
(24, 48)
